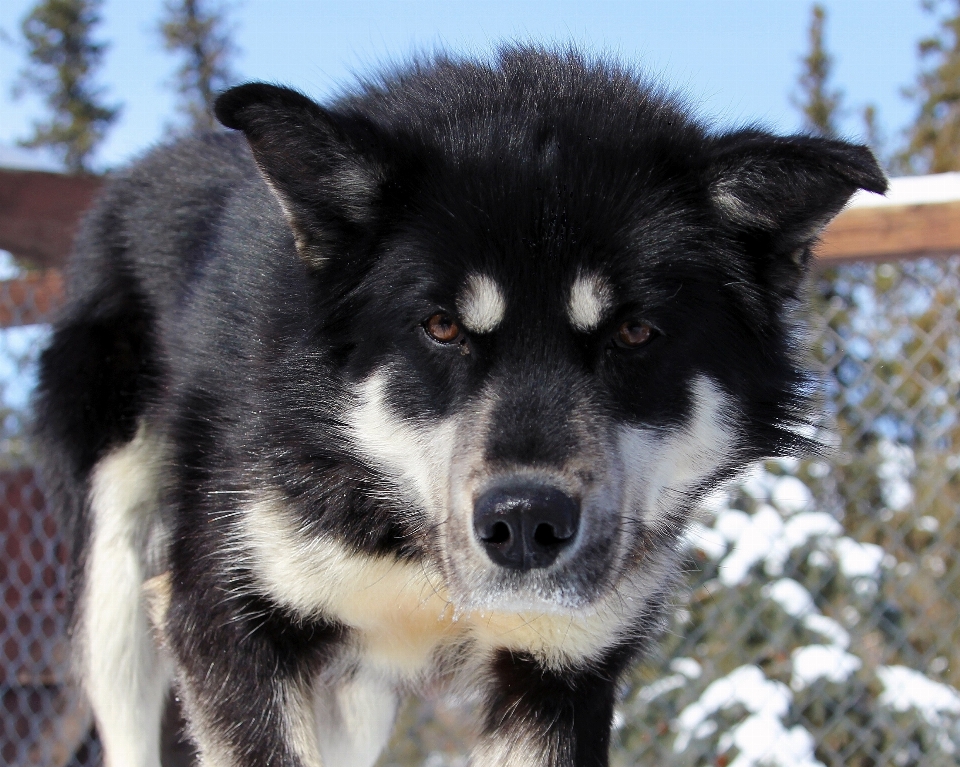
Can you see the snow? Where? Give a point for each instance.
(796, 533)
(928, 524)
(791, 596)
(706, 539)
(661, 687)
(9, 268)
(859, 560)
(687, 666)
(782, 523)
(912, 190)
(811, 524)
(829, 628)
(745, 685)
(761, 738)
(717, 500)
(897, 464)
(791, 495)
(906, 688)
(765, 537)
(758, 483)
(731, 523)
(818, 661)
(755, 541)
(796, 602)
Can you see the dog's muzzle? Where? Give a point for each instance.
(525, 526)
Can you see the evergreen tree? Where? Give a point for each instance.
(199, 31)
(933, 142)
(819, 105)
(63, 60)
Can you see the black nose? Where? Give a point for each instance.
(527, 526)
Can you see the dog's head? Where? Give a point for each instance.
(558, 306)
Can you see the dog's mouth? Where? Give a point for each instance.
(557, 590)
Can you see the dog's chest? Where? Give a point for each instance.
(407, 626)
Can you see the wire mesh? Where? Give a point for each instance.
(44, 719)
(820, 624)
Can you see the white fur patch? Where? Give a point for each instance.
(207, 735)
(662, 465)
(399, 609)
(561, 639)
(481, 304)
(124, 675)
(726, 198)
(415, 455)
(299, 725)
(354, 720)
(591, 297)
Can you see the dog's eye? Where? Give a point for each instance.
(633, 334)
(441, 327)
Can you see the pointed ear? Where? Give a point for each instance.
(319, 165)
(775, 195)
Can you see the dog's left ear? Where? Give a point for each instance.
(775, 195)
(322, 166)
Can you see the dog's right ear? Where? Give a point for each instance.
(321, 166)
(776, 194)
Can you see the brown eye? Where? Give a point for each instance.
(441, 327)
(633, 334)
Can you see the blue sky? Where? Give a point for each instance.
(737, 59)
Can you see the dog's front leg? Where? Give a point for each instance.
(247, 674)
(536, 716)
(354, 719)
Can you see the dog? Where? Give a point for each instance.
(418, 388)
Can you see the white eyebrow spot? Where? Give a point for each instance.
(481, 304)
(591, 297)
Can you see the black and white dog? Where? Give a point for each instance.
(419, 387)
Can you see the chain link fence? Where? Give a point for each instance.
(43, 719)
(820, 624)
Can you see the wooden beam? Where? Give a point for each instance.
(39, 213)
(892, 233)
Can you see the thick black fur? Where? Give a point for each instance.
(236, 325)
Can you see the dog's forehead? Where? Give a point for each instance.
(509, 263)
(518, 249)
